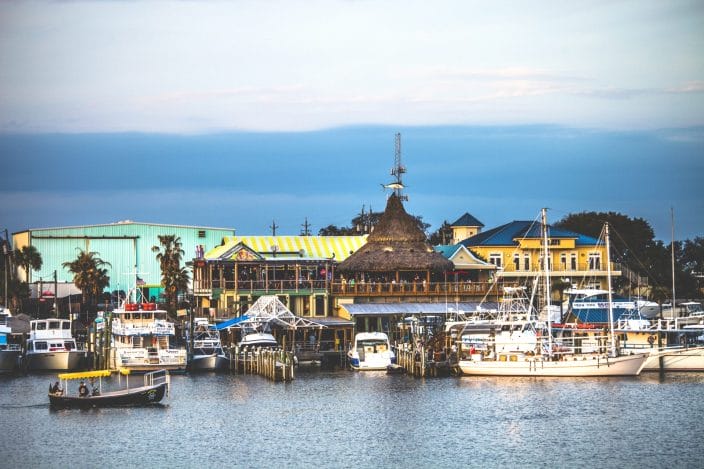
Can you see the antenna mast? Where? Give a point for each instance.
(398, 170)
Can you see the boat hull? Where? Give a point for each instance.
(143, 396)
(55, 361)
(9, 361)
(208, 362)
(630, 365)
(689, 359)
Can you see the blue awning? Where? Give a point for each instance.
(3, 339)
(231, 322)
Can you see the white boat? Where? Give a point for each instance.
(371, 351)
(207, 352)
(521, 345)
(142, 339)
(9, 353)
(258, 339)
(672, 344)
(51, 346)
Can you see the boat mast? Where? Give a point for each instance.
(672, 253)
(608, 279)
(546, 269)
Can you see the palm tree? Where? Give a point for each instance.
(89, 275)
(29, 259)
(174, 278)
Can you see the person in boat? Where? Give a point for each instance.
(56, 389)
(83, 390)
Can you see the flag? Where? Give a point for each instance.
(140, 282)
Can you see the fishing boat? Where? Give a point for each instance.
(258, 339)
(9, 353)
(142, 338)
(149, 389)
(520, 344)
(371, 351)
(672, 344)
(51, 346)
(206, 352)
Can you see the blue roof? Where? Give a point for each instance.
(467, 220)
(447, 250)
(506, 235)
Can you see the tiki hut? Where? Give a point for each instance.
(397, 249)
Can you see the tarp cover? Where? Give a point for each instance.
(231, 322)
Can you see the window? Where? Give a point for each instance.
(573, 261)
(41, 326)
(526, 261)
(517, 262)
(65, 325)
(594, 261)
(54, 325)
(40, 346)
(563, 261)
(201, 233)
(496, 259)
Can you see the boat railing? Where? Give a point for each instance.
(158, 377)
(152, 328)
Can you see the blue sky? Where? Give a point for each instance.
(237, 113)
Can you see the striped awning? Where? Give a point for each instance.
(292, 247)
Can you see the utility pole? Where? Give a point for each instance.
(273, 227)
(306, 228)
(56, 296)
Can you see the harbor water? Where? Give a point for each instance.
(367, 419)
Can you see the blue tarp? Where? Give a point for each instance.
(231, 322)
(3, 339)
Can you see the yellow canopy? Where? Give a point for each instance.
(85, 374)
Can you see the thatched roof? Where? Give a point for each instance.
(397, 243)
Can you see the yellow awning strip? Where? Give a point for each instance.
(85, 374)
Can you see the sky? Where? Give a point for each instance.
(234, 114)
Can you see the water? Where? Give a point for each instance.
(367, 419)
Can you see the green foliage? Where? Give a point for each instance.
(29, 259)
(633, 244)
(90, 275)
(174, 278)
(442, 235)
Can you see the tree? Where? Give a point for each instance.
(89, 275)
(29, 259)
(174, 278)
(442, 235)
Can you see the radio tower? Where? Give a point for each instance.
(397, 171)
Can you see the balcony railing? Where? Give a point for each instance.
(411, 288)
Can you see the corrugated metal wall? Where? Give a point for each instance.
(125, 246)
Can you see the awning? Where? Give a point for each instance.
(231, 322)
(86, 374)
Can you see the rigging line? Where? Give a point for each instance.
(647, 271)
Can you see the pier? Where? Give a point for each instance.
(418, 361)
(274, 364)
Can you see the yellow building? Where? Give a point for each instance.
(516, 249)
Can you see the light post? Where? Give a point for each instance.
(6, 251)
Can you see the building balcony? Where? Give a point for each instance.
(418, 289)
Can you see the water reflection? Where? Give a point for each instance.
(369, 419)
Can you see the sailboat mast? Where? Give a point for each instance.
(546, 268)
(672, 253)
(608, 279)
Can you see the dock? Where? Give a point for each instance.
(274, 364)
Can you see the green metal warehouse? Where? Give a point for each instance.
(126, 245)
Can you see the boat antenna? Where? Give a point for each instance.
(608, 279)
(546, 268)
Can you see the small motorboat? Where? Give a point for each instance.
(149, 389)
(371, 351)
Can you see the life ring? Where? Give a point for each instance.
(651, 339)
